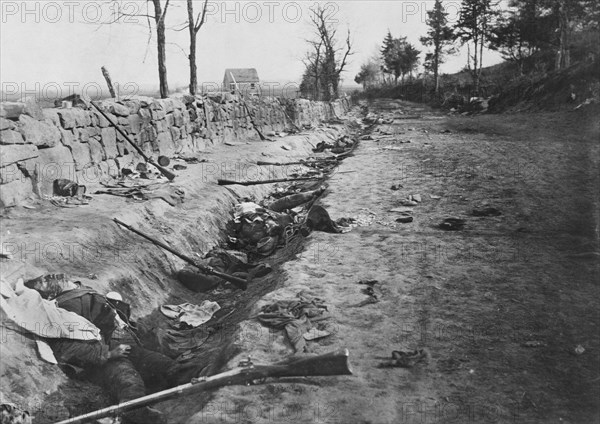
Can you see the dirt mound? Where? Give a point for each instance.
(559, 90)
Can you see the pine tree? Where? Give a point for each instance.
(440, 37)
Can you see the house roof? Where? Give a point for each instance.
(241, 75)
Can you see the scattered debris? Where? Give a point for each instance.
(369, 291)
(452, 224)
(409, 359)
(534, 343)
(408, 202)
(190, 315)
(486, 211)
(164, 161)
(298, 318)
(68, 188)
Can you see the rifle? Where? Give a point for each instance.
(162, 170)
(260, 134)
(279, 180)
(305, 162)
(329, 364)
(236, 281)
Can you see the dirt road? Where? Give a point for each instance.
(506, 307)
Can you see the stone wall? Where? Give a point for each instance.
(39, 146)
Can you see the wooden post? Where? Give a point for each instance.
(108, 82)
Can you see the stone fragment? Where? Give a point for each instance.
(118, 109)
(52, 115)
(96, 151)
(66, 137)
(109, 141)
(81, 155)
(17, 153)
(40, 133)
(11, 137)
(15, 192)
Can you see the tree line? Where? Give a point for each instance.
(528, 32)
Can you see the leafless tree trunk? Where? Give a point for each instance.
(331, 66)
(194, 25)
(161, 40)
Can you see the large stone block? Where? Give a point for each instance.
(109, 141)
(11, 137)
(81, 155)
(81, 134)
(6, 124)
(102, 121)
(67, 118)
(178, 118)
(165, 143)
(161, 125)
(118, 109)
(16, 153)
(52, 115)
(158, 114)
(52, 164)
(147, 134)
(145, 114)
(175, 133)
(15, 192)
(10, 173)
(40, 133)
(66, 137)
(135, 123)
(30, 107)
(96, 151)
(133, 106)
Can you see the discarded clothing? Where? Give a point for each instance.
(406, 359)
(297, 318)
(24, 309)
(190, 314)
(67, 188)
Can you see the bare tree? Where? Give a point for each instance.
(159, 17)
(194, 25)
(329, 59)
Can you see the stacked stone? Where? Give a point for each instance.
(40, 146)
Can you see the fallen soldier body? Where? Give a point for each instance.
(119, 362)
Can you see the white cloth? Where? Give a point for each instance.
(24, 310)
(190, 314)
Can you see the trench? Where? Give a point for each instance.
(146, 276)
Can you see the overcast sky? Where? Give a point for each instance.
(56, 43)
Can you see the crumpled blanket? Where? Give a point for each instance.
(24, 310)
(297, 318)
(190, 314)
